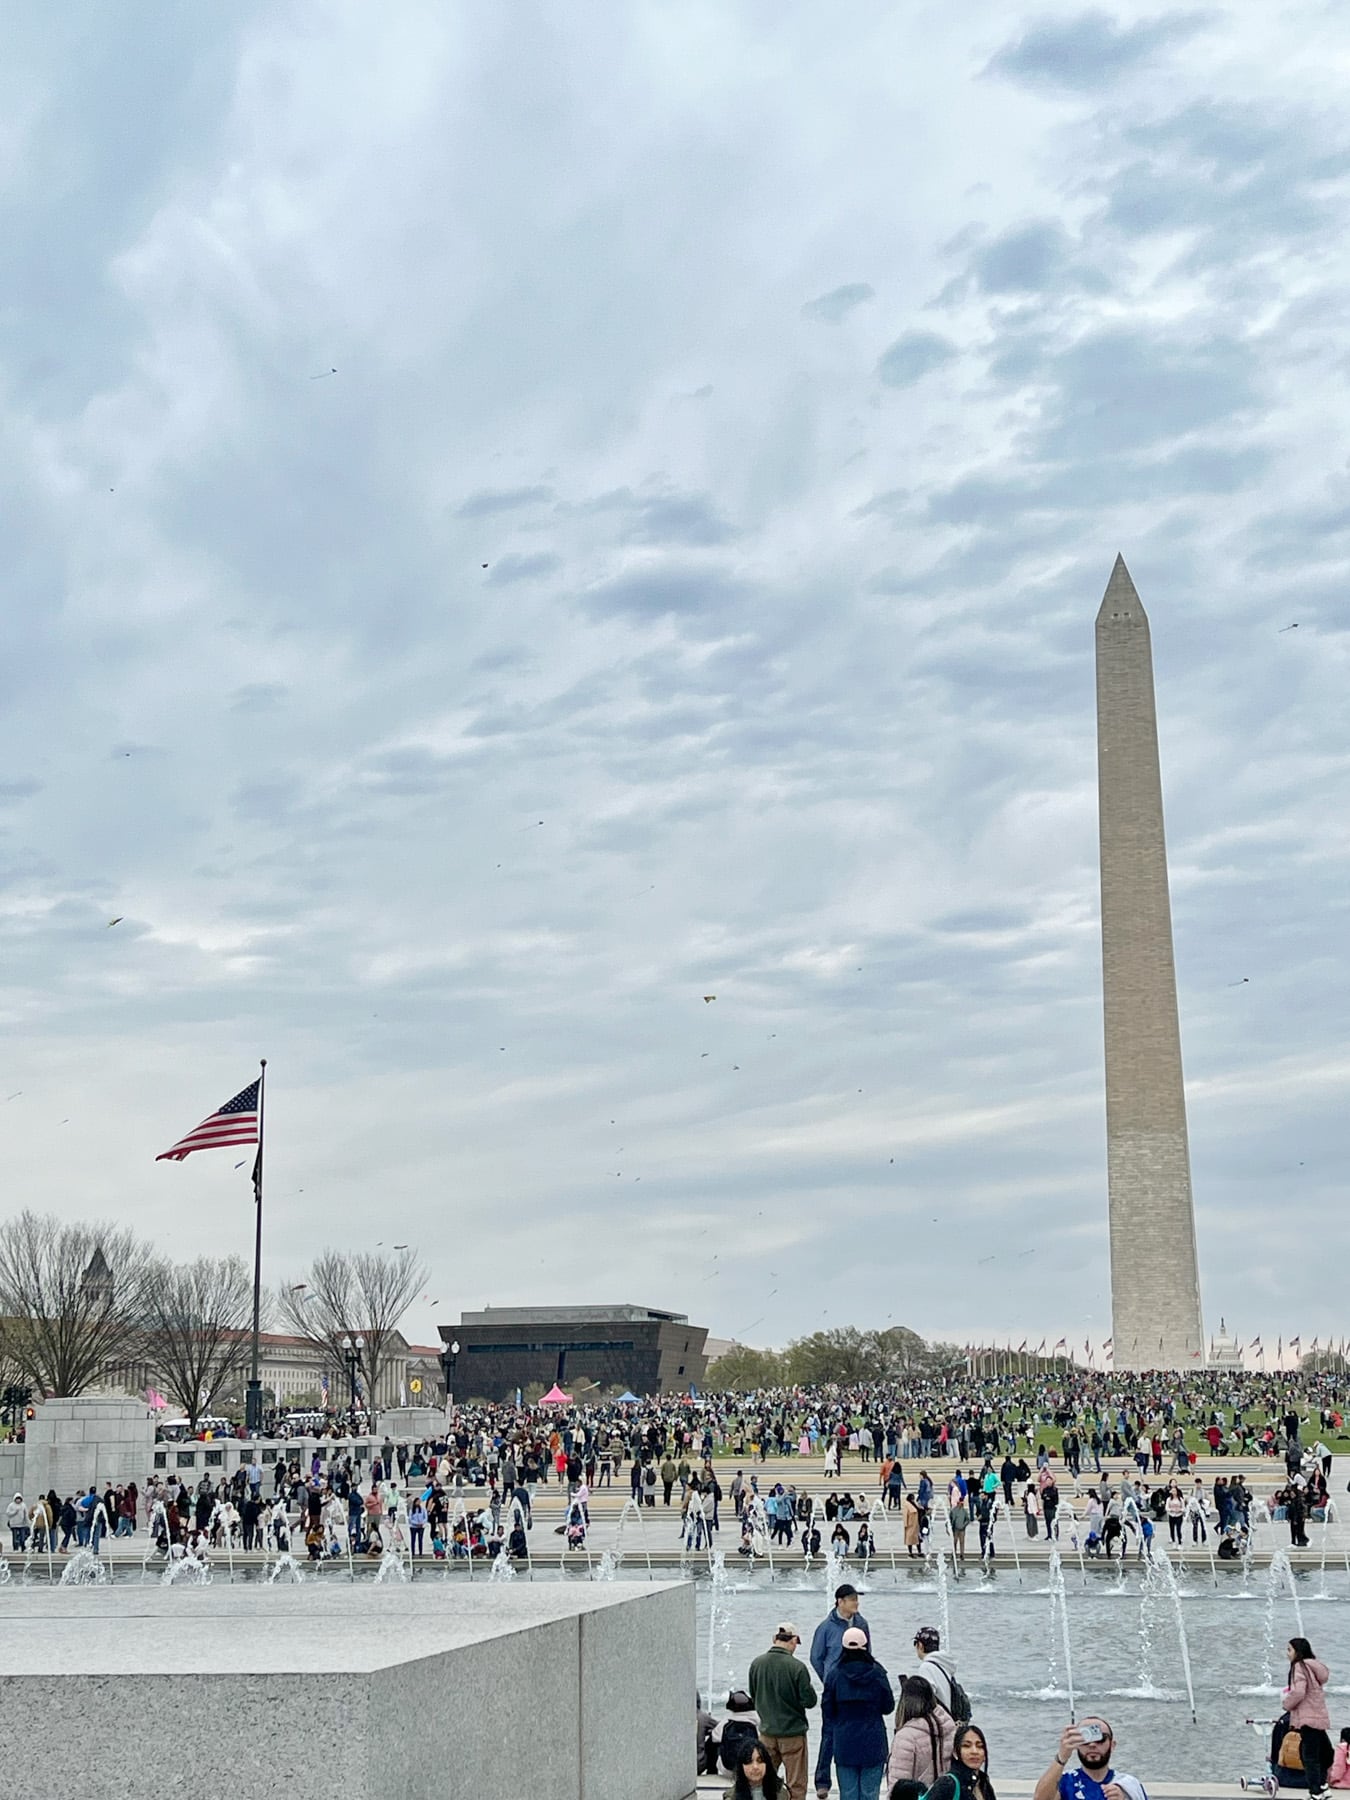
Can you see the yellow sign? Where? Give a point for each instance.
(416, 1384)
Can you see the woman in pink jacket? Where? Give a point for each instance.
(1305, 1701)
(921, 1749)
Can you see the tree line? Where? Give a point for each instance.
(79, 1302)
(846, 1356)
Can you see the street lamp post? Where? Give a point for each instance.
(449, 1357)
(351, 1355)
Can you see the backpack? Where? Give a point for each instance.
(735, 1734)
(960, 1707)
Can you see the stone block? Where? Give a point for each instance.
(418, 1691)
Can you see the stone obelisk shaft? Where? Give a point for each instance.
(1155, 1279)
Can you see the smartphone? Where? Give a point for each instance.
(1091, 1734)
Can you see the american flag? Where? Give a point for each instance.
(234, 1123)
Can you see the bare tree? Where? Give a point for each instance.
(73, 1298)
(355, 1295)
(199, 1317)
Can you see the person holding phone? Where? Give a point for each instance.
(1094, 1778)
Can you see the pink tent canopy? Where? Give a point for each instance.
(556, 1397)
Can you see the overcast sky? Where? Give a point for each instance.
(683, 586)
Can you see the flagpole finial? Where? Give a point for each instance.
(262, 1062)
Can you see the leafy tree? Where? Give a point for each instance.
(843, 1354)
(740, 1370)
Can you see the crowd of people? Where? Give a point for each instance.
(915, 1738)
(934, 1751)
(984, 1447)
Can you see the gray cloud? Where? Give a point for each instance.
(1031, 259)
(680, 589)
(1091, 49)
(486, 502)
(912, 356)
(534, 567)
(258, 696)
(798, 678)
(832, 308)
(662, 515)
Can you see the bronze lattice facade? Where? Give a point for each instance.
(615, 1347)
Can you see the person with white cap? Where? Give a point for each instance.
(16, 1517)
(854, 1705)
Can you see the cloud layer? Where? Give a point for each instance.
(509, 532)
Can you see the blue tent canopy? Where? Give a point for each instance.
(626, 1400)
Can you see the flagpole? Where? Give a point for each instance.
(253, 1406)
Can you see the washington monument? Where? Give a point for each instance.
(1155, 1277)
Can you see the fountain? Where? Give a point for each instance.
(392, 1569)
(1001, 1510)
(459, 1514)
(84, 1570)
(1163, 1566)
(184, 1567)
(876, 1518)
(944, 1600)
(1059, 1612)
(1329, 1518)
(1194, 1515)
(761, 1538)
(719, 1589)
(631, 1507)
(284, 1569)
(1279, 1574)
(833, 1570)
(501, 1569)
(32, 1550)
(5, 1576)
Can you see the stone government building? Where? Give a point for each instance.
(640, 1348)
(296, 1372)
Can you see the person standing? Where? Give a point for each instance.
(826, 1648)
(921, 1749)
(16, 1517)
(782, 1694)
(968, 1777)
(1305, 1701)
(855, 1701)
(936, 1667)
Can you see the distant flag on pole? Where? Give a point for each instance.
(1041, 1351)
(1255, 1344)
(1021, 1347)
(323, 1387)
(1062, 1344)
(234, 1123)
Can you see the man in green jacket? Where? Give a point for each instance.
(781, 1690)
